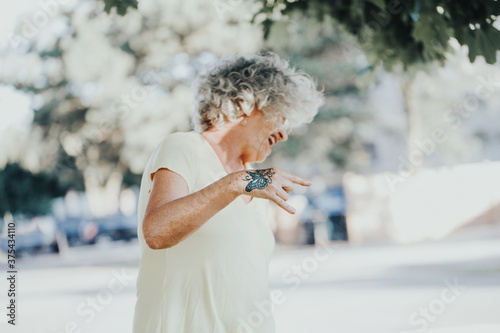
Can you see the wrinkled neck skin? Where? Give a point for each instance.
(228, 142)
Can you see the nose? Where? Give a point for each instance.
(282, 134)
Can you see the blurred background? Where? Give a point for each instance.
(400, 231)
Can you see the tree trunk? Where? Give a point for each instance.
(103, 200)
(414, 125)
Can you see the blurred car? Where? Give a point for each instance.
(36, 234)
(116, 227)
(78, 230)
(305, 211)
(332, 203)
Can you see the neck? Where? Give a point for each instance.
(229, 147)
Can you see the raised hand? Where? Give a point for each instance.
(273, 184)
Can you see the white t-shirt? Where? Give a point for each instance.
(216, 280)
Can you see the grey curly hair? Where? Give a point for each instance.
(233, 86)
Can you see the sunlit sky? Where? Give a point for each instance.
(14, 106)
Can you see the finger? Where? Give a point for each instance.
(282, 194)
(287, 186)
(282, 203)
(296, 179)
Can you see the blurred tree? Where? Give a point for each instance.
(392, 31)
(27, 193)
(120, 5)
(107, 88)
(403, 31)
(402, 35)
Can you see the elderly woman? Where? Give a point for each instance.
(203, 231)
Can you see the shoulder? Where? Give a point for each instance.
(182, 148)
(180, 141)
(178, 152)
(187, 137)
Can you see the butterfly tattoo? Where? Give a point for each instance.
(259, 179)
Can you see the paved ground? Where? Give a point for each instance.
(442, 287)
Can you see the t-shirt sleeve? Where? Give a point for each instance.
(176, 153)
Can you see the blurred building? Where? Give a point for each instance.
(428, 205)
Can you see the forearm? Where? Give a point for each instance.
(174, 221)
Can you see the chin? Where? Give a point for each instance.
(260, 159)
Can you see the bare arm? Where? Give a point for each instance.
(172, 214)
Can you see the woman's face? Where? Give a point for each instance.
(262, 135)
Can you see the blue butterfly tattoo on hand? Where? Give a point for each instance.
(259, 179)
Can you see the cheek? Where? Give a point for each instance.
(260, 139)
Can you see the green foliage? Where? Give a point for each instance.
(403, 31)
(27, 193)
(121, 5)
(394, 31)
